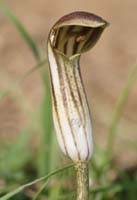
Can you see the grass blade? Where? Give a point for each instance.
(118, 109)
(40, 191)
(14, 20)
(46, 129)
(46, 135)
(21, 188)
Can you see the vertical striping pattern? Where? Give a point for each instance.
(71, 36)
(82, 180)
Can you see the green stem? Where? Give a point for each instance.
(82, 180)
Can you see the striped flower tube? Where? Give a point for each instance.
(71, 36)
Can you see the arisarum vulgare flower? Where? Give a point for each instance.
(71, 36)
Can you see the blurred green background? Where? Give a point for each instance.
(28, 146)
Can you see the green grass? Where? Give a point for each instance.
(46, 129)
(17, 168)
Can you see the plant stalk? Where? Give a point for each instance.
(82, 175)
